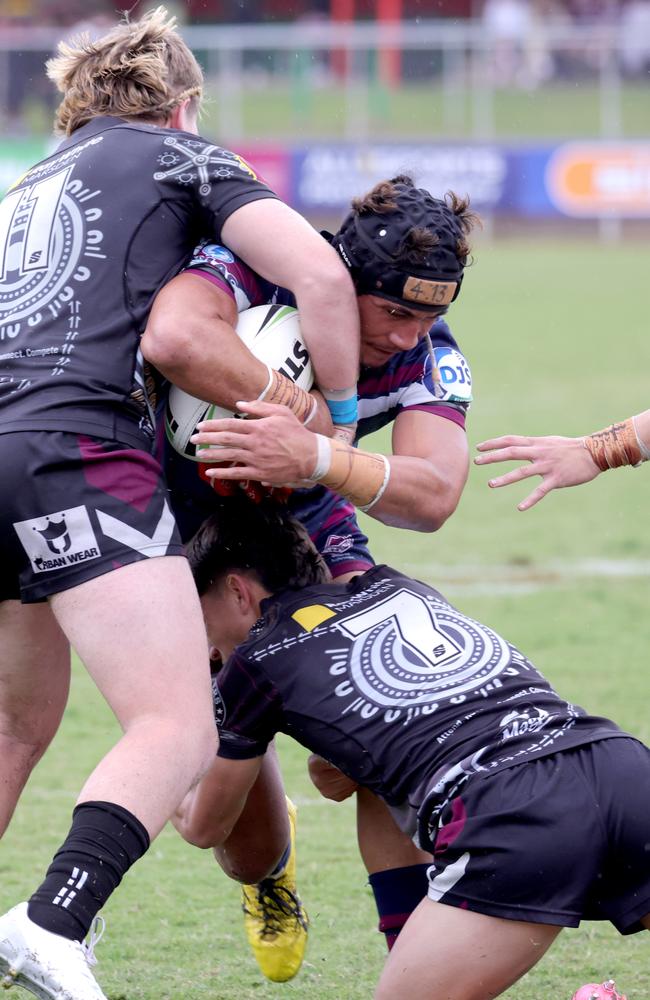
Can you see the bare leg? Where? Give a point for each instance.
(381, 843)
(140, 633)
(261, 834)
(34, 684)
(444, 951)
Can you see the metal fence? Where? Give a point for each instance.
(467, 64)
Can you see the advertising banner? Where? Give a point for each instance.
(327, 176)
(600, 179)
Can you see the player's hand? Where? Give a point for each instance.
(274, 449)
(330, 782)
(560, 461)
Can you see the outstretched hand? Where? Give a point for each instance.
(274, 449)
(560, 461)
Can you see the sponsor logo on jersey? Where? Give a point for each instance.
(530, 720)
(211, 252)
(338, 544)
(58, 540)
(454, 379)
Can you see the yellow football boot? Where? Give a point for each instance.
(275, 919)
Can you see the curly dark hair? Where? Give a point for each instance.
(384, 198)
(261, 538)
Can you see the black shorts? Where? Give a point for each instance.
(557, 840)
(74, 507)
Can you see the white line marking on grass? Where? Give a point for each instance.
(525, 578)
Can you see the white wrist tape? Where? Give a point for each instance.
(264, 391)
(323, 457)
(310, 416)
(382, 489)
(643, 448)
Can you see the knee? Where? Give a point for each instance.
(248, 868)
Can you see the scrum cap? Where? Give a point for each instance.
(372, 244)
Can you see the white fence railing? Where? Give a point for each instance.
(462, 58)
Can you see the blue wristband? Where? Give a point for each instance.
(343, 411)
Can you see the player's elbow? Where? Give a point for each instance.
(324, 278)
(203, 835)
(424, 512)
(166, 345)
(435, 515)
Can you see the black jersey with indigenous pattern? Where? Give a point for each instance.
(393, 685)
(87, 238)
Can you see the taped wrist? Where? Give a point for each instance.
(281, 390)
(615, 446)
(643, 447)
(359, 476)
(342, 404)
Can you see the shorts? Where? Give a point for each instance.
(74, 507)
(332, 524)
(557, 840)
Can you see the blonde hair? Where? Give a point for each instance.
(139, 69)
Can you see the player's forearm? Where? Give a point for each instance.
(419, 496)
(217, 367)
(329, 322)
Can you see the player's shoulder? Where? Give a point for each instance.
(214, 256)
(441, 336)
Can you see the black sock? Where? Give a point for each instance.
(104, 841)
(397, 892)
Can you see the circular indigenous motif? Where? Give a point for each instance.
(456, 657)
(27, 289)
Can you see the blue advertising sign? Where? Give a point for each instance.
(328, 175)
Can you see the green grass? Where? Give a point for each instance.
(418, 112)
(557, 337)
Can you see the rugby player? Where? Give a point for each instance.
(406, 251)
(564, 461)
(87, 237)
(529, 805)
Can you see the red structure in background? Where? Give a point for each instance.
(224, 11)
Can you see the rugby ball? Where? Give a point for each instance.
(272, 334)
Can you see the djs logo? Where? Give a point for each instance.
(452, 378)
(58, 540)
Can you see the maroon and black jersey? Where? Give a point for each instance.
(397, 688)
(87, 238)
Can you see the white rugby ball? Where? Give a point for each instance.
(272, 334)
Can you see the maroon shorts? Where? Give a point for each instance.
(74, 507)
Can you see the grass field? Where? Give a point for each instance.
(557, 337)
(568, 110)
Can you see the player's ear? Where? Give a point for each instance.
(239, 591)
(183, 116)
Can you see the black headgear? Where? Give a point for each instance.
(372, 246)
